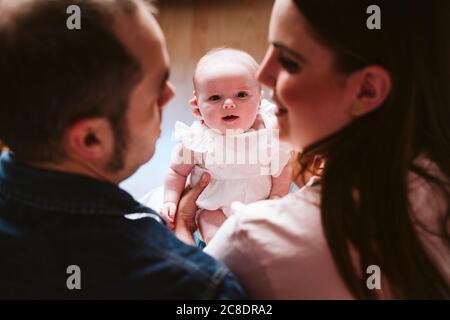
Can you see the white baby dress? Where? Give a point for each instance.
(240, 165)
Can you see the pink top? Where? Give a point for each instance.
(277, 248)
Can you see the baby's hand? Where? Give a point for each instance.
(168, 211)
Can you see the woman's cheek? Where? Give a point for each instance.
(283, 89)
(290, 97)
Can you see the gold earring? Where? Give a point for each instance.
(358, 108)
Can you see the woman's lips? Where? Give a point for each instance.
(280, 111)
(230, 118)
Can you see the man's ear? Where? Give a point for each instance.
(194, 103)
(90, 140)
(374, 86)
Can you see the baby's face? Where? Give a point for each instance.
(228, 96)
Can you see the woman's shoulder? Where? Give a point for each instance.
(276, 222)
(297, 201)
(294, 203)
(266, 242)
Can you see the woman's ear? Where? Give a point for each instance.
(374, 86)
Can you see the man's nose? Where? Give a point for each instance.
(229, 104)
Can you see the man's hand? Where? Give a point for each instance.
(185, 216)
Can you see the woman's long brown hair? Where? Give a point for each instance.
(374, 156)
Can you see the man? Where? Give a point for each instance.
(80, 112)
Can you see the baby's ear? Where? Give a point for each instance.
(194, 103)
(196, 111)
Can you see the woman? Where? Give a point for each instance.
(375, 105)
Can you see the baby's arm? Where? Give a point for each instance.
(175, 182)
(282, 183)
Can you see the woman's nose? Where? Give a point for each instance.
(267, 72)
(229, 104)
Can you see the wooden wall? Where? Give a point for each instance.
(192, 27)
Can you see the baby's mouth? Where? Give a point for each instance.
(230, 118)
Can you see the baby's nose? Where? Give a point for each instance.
(229, 104)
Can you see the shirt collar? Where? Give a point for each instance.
(63, 192)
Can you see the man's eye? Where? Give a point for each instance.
(215, 97)
(289, 65)
(242, 94)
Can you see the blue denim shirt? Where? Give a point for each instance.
(50, 221)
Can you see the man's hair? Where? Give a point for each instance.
(228, 54)
(51, 77)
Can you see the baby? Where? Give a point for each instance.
(236, 126)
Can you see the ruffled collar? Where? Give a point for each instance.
(200, 138)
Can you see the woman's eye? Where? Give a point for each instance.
(242, 94)
(289, 65)
(214, 98)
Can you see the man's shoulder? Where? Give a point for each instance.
(160, 265)
(202, 276)
(117, 257)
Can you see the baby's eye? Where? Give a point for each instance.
(242, 94)
(215, 97)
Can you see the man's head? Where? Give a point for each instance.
(87, 99)
(227, 94)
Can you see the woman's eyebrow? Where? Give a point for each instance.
(282, 47)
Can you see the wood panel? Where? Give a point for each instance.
(194, 26)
